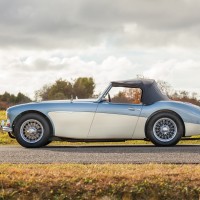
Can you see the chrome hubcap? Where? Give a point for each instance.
(165, 129)
(31, 131)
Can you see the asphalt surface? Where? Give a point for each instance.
(102, 154)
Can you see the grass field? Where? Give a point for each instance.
(2, 115)
(126, 182)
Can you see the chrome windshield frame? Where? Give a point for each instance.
(104, 93)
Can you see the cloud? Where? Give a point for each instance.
(74, 24)
(182, 75)
(41, 41)
(30, 74)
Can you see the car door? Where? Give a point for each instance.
(117, 114)
(73, 120)
(115, 121)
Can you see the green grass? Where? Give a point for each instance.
(116, 181)
(2, 115)
(5, 139)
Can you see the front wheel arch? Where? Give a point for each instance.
(164, 111)
(36, 112)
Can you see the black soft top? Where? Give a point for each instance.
(150, 91)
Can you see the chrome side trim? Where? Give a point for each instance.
(134, 109)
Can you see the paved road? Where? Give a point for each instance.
(101, 154)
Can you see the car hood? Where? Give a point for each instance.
(47, 106)
(35, 104)
(69, 101)
(44, 106)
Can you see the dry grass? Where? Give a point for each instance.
(70, 181)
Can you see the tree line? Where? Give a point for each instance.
(178, 95)
(8, 99)
(83, 87)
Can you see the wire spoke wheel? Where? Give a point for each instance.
(165, 129)
(31, 131)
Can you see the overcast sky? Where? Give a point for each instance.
(41, 41)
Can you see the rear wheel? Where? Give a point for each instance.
(165, 129)
(32, 130)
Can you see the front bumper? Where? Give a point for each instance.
(5, 128)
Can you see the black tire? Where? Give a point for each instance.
(165, 129)
(32, 130)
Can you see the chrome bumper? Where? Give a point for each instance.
(5, 128)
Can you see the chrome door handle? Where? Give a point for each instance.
(133, 109)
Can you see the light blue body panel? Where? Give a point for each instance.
(188, 112)
(51, 106)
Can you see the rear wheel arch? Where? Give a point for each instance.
(164, 111)
(35, 112)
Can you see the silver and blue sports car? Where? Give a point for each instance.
(126, 110)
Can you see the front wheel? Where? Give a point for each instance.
(32, 130)
(165, 129)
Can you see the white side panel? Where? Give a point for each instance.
(108, 126)
(192, 129)
(72, 124)
(139, 132)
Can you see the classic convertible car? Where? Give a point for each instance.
(126, 110)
